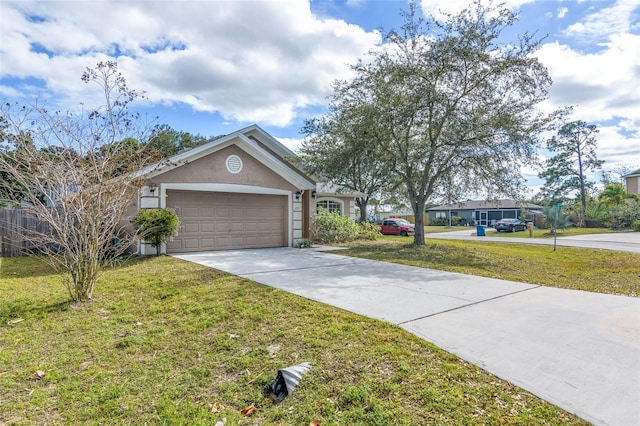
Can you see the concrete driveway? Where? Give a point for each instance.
(621, 241)
(575, 349)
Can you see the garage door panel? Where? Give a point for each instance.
(252, 212)
(207, 243)
(234, 241)
(221, 221)
(269, 227)
(190, 243)
(191, 227)
(222, 211)
(266, 239)
(174, 245)
(190, 212)
(237, 227)
(207, 226)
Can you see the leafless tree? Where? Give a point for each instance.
(73, 171)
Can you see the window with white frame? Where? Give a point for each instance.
(330, 205)
(441, 214)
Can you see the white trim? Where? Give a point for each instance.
(218, 187)
(272, 142)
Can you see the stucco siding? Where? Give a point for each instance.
(213, 169)
(633, 184)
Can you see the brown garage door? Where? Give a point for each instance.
(223, 221)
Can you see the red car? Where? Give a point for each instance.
(396, 226)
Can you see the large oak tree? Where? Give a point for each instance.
(451, 101)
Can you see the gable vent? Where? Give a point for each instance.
(234, 164)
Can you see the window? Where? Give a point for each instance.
(329, 205)
(441, 214)
(495, 214)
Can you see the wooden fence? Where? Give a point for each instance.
(15, 227)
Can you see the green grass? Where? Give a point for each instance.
(439, 229)
(602, 271)
(164, 339)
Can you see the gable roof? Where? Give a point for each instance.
(484, 205)
(254, 141)
(632, 174)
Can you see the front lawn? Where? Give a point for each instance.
(170, 342)
(603, 271)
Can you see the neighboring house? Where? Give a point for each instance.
(386, 211)
(486, 213)
(237, 191)
(632, 181)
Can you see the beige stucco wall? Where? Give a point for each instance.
(633, 184)
(212, 169)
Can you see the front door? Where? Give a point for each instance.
(483, 218)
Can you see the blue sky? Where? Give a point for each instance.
(212, 67)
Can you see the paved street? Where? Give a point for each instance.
(622, 241)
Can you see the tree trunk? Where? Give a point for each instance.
(417, 204)
(418, 217)
(362, 205)
(419, 223)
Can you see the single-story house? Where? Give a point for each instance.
(238, 191)
(486, 213)
(632, 181)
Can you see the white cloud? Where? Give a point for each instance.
(562, 12)
(606, 21)
(437, 7)
(599, 84)
(292, 143)
(602, 84)
(251, 61)
(603, 88)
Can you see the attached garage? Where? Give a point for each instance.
(224, 220)
(237, 191)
